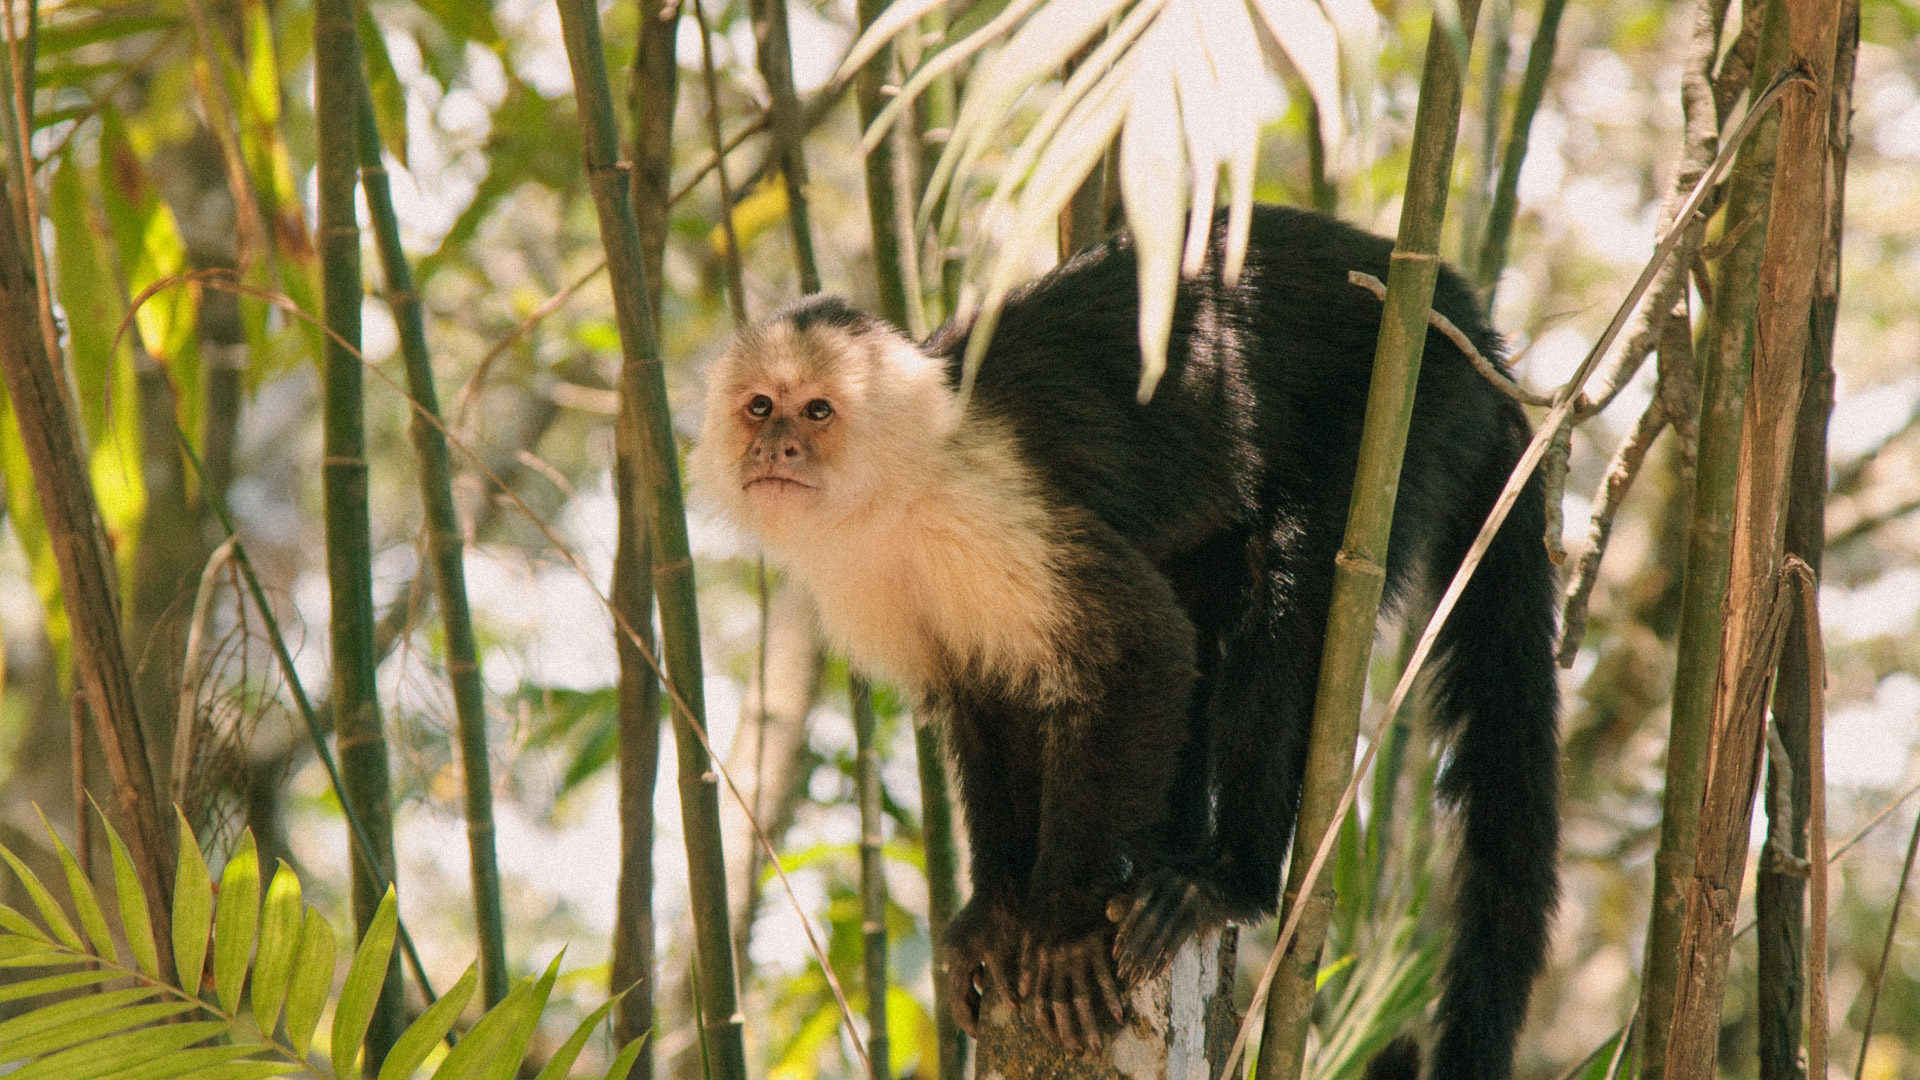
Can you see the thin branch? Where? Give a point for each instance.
(1501, 379)
(1621, 473)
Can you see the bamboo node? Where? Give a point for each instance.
(342, 461)
(1356, 563)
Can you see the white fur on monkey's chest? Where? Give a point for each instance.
(946, 583)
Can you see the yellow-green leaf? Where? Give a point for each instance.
(365, 976)
(623, 1064)
(562, 1060)
(16, 923)
(507, 1063)
(485, 1044)
(312, 977)
(235, 921)
(136, 922)
(65, 1012)
(43, 900)
(92, 920)
(279, 937)
(51, 984)
(97, 1025)
(98, 1055)
(415, 1043)
(199, 1064)
(192, 911)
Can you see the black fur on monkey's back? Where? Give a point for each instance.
(1234, 482)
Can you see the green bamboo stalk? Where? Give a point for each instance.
(1727, 359)
(943, 884)
(356, 707)
(1359, 572)
(736, 278)
(1477, 196)
(652, 93)
(446, 553)
(882, 202)
(1799, 36)
(787, 122)
(643, 395)
(87, 580)
(873, 880)
(1492, 256)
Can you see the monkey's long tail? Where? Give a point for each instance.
(1495, 691)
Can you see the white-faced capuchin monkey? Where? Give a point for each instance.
(1117, 608)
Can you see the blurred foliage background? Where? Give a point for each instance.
(149, 117)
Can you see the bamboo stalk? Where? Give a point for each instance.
(1359, 572)
(1492, 256)
(652, 93)
(788, 124)
(1801, 34)
(943, 889)
(643, 396)
(446, 553)
(87, 580)
(356, 708)
(873, 880)
(1703, 590)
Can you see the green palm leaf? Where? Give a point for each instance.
(136, 922)
(279, 940)
(364, 980)
(415, 1043)
(192, 911)
(234, 922)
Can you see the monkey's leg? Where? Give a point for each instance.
(1259, 711)
(1000, 796)
(1110, 759)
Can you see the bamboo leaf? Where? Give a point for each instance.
(507, 1063)
(1153, 187)
(84, 901)
(279, 938)
(562, 1060)
(14, 922)
(235, 921)
(201, 1064)
(312, 977)
(898, 16)
(192, 911)
(65, 1012)
(56, 919)
(96, 1026)
(99, 1054)
(415, 1043)
(365, 976)
(486, 1042)
(52, 984)
(136, 922)
(623, 1064)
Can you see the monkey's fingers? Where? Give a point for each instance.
(1109, 990)
(998, 961)
(963, 994)
(1151, 930)
(1030, 963)
(1083, 1003)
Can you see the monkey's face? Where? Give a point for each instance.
(808, 429)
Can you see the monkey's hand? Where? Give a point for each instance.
(981, 942)
(1165, 910)
(1065, 980)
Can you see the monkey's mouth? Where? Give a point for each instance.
(776, 483)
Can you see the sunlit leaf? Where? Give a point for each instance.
(279, 938)
(92, 919)
(482, 1047)
(96, 1024)
(623, 1062)
(204, 1063)
(383, 85)
(55, 918)
(53, 38)
(508, 1062)
(425, 1033)
(898, 16)
(563, 1058)
(73, 1010)
(1153, 188)
(235, 921)
(365, 978)
(313, 965)
(136, 922)
(192, 911)
(99, 1054)
(16, 923)
(53, 984)
(966, 42)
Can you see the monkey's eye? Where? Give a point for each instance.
(760, 406)
(817, 409)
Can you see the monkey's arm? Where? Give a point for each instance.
(1108, 761)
